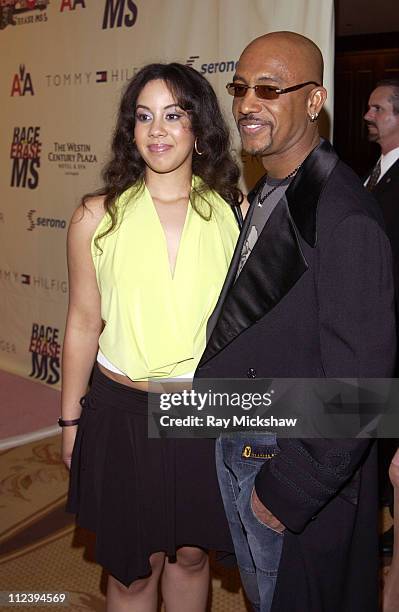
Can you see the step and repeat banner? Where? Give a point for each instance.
(63, 65)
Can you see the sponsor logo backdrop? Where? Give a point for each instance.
(64, 64)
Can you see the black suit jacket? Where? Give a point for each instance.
(387, 194)
(314, 299)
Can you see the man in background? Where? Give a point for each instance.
(382, 120)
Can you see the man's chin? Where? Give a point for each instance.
(252, 149)
(372, 135)
(257, 144)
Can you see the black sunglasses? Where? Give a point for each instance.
(265, 92)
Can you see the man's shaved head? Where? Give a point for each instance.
(281, 129)
(301, 56)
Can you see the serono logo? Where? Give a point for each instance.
(44, 222)
(212, 67)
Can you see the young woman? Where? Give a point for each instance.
(147, 257)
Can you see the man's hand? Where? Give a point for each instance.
(264, 515)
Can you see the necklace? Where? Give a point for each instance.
(273, 189)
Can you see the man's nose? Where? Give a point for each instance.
(248, 104)
(368, 116)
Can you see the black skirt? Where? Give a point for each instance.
(141, 495)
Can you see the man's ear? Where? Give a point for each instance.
(316, 100)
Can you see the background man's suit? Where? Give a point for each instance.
(315, 299)
(387, 194)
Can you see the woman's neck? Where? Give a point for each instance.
(170, 186)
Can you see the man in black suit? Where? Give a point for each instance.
(382, 119)
(309, 294)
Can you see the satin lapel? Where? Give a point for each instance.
(231, 274)
(276, 262)
(304, 192)
(274, 266)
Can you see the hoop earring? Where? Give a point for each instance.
(313, 117)
(196, 147)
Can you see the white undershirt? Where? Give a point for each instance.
(387, 161)
(101, 358)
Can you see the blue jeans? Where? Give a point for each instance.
(239, 457)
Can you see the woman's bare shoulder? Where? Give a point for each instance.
(87, 216)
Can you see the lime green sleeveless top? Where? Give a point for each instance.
(155, 323)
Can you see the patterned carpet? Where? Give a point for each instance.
(41, 551)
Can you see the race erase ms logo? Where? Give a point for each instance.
(45, 349)
(13, 12)
(25, 155)
(118, 13)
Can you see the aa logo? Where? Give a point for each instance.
(119, 13)
(71, 5)
(22, 83)
(46, 350)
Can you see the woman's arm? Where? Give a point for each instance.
(84, 323)
(391, 582)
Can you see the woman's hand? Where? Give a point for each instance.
(67, 443)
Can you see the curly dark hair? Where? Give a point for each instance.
(195, 95)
